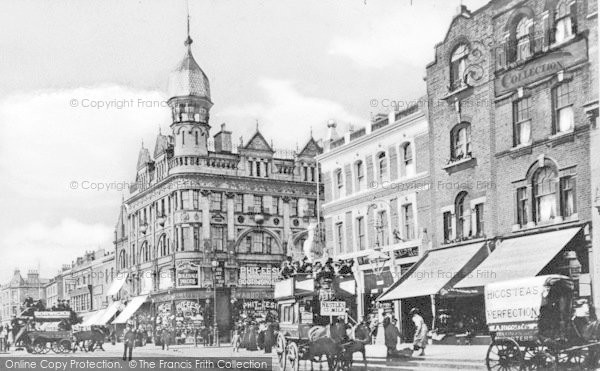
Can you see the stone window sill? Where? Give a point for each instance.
(456, 163)
(554, 221)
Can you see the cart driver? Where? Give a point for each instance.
(581, 315)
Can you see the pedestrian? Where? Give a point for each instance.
(391, 335)
(205, 334)
(269, 337)
(420, 338)
(128, 343)
(196, 333)
(165, 338)
(235, 339)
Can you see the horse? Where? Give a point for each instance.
(326, 341)
(360, 336)
(590, 334)
(94, 338)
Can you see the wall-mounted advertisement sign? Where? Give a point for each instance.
(188, 275)
(258, 275)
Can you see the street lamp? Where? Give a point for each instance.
(215, 264)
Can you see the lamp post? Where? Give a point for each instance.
(215, 264)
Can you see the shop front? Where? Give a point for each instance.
(421, 285)
(252, 297)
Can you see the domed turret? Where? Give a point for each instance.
(188, 79)
(190, 104)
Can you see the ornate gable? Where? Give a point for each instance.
(311, 149)
(258, 143)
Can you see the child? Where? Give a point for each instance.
(235, 339)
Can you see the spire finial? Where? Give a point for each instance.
(142, 143)
(188, 40)
(256, 124)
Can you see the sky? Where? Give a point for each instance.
(83, 86)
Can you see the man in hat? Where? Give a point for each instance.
(128, 342)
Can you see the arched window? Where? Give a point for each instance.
(359, 173)
(382, 166)
(463, 216)
(458, 65)
(122, 260)
(407, 168)
(544, 193)
(144, 253)
(259, 242)
(196, 136)
(523, 38)
(162, 246)
(460, 138)
(183, 137)
(564, 24)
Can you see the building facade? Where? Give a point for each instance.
(377, 200)
(87, 280)
(208, 214)
(511, 92)
(56, 290)
(14, 293)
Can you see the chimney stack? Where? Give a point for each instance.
(223, 140)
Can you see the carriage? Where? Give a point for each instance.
(302, 304)
(45, 331)
(531, 324)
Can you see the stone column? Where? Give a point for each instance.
(287, 230)
(205, 207)
(230, 216)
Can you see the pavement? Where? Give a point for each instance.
(438, 357)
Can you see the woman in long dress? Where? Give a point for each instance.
(420, 338)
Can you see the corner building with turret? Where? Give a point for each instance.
(206, 214)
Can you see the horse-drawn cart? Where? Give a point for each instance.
(305, 308)
(45, 331)
(531, 324)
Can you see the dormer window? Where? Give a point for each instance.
(564, 25)
(458, 66)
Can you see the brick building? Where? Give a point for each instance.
(14, 293)
(511, 92)
(376, 182)
(206, 213)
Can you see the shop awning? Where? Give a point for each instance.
(108, 313)
(130, 309)
(435, 270)
(519, 257)
(117, 283)
(90, 317)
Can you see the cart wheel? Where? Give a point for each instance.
(537, 358)
(280, 350)
(293, 356)
(64, 345)
(573, 360)
(504, 354)
(39, 347)
(55, 347)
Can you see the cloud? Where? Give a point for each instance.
(51, 245)
(286, 113)
(392, 39)
(56, 149)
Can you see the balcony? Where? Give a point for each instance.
(457, 163)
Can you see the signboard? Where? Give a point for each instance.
(219, 275)
(188, 275)
(333, 308)
(513, 301)
(542, 67)
(52, 315)
(256, 275)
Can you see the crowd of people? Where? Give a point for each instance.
(318, 270)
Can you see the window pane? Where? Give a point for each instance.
(565, 119)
